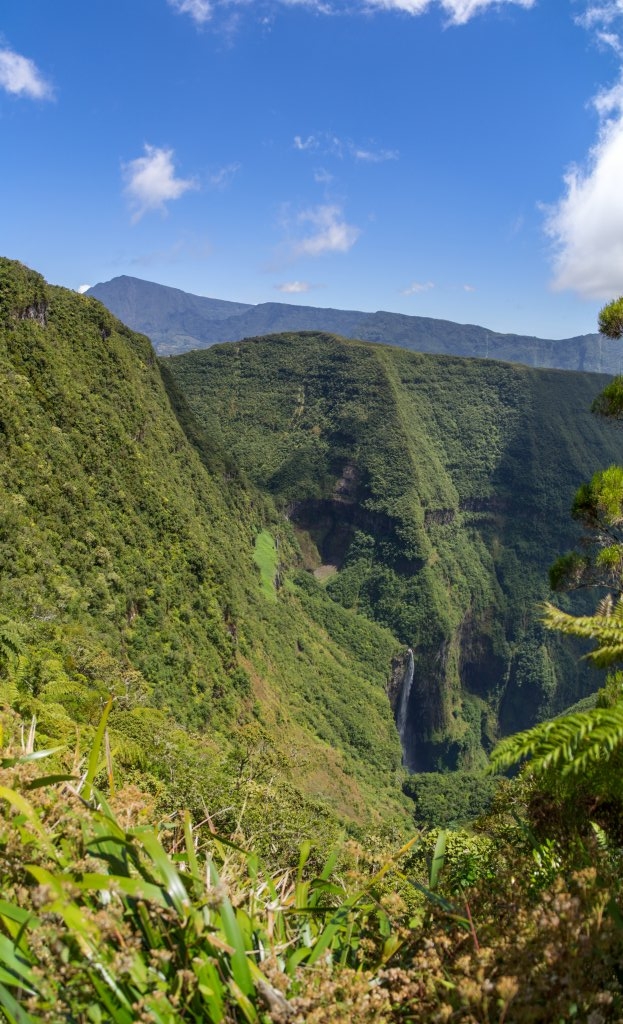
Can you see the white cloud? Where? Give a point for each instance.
(20, 76)
(330, 232)
(468, 288)
(293, 287)
(82, 288)
(418, 286)
(151, 181)
(199, 10)
(586, 224)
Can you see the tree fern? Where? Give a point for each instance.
(11, 640)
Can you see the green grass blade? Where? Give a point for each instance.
(16, 964)
(243, 1002)
(17, 914)
(136, 888)
(36, 755)
(233, 934)
(191, 855)
(50, 780)
(439, 858)
(211, 989)
(15, 1014)
(328, 934)
(166, 869)
(94, 754)
(117, 1014)
(304, 853)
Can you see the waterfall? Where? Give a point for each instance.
(405, 693)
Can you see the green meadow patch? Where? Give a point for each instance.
(265, 557)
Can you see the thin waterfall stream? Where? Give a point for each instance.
(403, 707)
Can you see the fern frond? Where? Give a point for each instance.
(605, 627)
(570, 743)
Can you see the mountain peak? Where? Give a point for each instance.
(178, 321)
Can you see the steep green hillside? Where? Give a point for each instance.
(177, 321)
(430, 493)
(129, 565)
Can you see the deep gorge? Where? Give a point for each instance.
(439, 490)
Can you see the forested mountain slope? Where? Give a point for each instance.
(177, 321)
(130, 564)
(439, 489)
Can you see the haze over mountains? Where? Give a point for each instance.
(177, 322)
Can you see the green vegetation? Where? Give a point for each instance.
(127, 568)
(200, 816)
(113, 919)
(450, 799)
(440, 487)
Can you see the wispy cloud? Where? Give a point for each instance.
(327, 231)
(21, 76)
(329, 144)
(151, 181)
(311, 142)
(293, 287)
(323, 177)
(184, 250)
(224, 176)
(586, 224)
(604, 21)
(416, 287)
(379, 156)
(199, 10)
(459, 12)
(468, 288)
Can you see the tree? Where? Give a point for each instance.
(611, 319)
(610, 402)
(598, 505)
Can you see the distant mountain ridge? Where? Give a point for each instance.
(177, 321)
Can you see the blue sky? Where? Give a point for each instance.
(460, 159)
